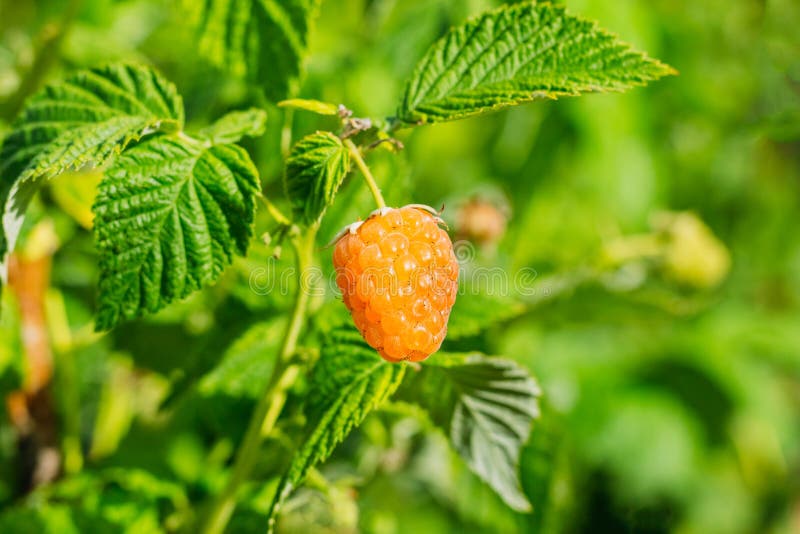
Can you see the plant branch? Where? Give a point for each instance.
(362, 166)
(266, 412)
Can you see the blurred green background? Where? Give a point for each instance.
(664, 327)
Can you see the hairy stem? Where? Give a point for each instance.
(362, 166)
(266, 412)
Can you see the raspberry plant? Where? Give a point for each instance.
(175, 206)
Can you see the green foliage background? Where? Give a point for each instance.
(671, 392)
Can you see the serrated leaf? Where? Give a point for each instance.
(486, 406)
(476, 311)
(314, 106)
(234, 125)
(170, 214)
(517, 54)
(315, 169)
(348, 381)
(86, 118)
(264, 41)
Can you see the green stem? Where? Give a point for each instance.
(286, 132)
(273, 210)
(69, 399)
(362, 166)
(269, 407)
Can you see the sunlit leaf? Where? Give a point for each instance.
(486, 406)
(234, 125)
(314, 106)
(170, 215)
(517, 54)
(316, 168)
(264, 41)
(84, 119)
(348, 382)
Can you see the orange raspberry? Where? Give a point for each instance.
(399, 277)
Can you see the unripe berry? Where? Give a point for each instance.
(398, 276)
(481, 221)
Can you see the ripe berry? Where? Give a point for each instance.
(398, 276)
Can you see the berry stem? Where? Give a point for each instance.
(362, 166)
(266, 412)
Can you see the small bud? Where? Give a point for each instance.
(481, 222)
(694, 256)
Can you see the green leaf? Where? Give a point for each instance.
(170, 214)
(314, 106)
(235, 125)
(43, 519)
(540, 466)
(86, 118)
(112, 500)
(315, 169)
(245, 368)
(486, 406)
(264, 41)
(476, 311)
(348, 381)
(516, 54)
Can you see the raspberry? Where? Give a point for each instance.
(481, 221)
(398, 276)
